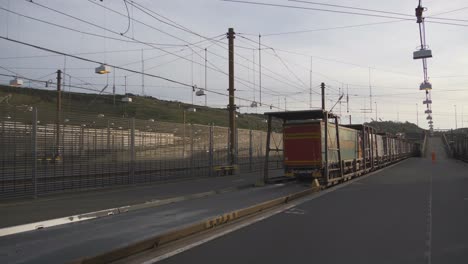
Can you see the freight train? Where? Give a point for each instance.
(316, 148)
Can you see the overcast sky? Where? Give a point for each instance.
(347, 58)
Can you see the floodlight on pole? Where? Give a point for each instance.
(102, 69)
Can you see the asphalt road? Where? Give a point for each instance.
(415, 212)
(62, 244)
(66, 204)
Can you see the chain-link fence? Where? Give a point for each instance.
(42, 156)
(458, 145)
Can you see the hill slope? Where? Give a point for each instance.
(396, 127)
(144, 108)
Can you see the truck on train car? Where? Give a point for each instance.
(304, 147)
(315, 146)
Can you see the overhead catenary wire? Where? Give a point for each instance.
(401, 16)
(117, 67)
(239, 80)
(212, 67)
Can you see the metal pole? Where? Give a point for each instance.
(417, 115)
(326, 138)
(250, 150)
(267, 152)
(376, 112)
(456, 124)
(232, 106)
(113, 87)
(260, 67)
(108, 136)
(206, 76)
(322, 86)
(211, 150)
(364, 147)
(337, 131)
(191, 149)
(183, 129)
(58, 113)
(132, 150)
(34, 151)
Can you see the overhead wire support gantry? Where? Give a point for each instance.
(424, 53)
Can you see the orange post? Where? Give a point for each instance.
(433, 157)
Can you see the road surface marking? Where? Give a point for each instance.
(428, 252)
(296, 211)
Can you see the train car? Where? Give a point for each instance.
(317, 148)
(304, 148)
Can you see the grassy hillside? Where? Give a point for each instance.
(396, 127)
(141, 108)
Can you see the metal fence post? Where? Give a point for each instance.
(132, 150)
(228, 145)
(34, 151)
(191, 149)
(108, 137)
(210, 166)
(236, 147)
(250, 150)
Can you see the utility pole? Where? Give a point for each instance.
(339, 101)
(58, 114)
(260, 67)
(253, 72)
(310, 84)
(375, 111)
(206, 75)
(456, 123)
(285, 104)
(232, 106)
(417, 114)
(347, 99)
(322, 86)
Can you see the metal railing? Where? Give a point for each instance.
(41, 156)
(458, 145)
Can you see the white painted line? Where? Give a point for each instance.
(97, 214)
(53, 222)
(428, 252)
(107, 212)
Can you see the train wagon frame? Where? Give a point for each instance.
(316, 146)
(331, 174)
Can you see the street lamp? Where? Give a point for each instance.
(16, 82)
(102, 69)
(200, 92)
